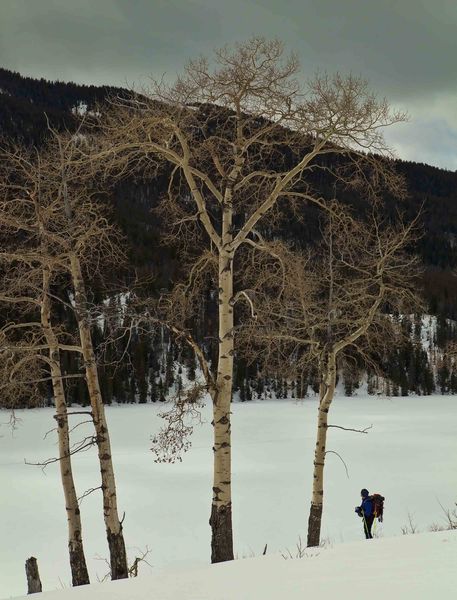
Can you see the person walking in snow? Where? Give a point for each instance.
(365, 510)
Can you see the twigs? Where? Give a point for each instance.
(244, 294)
(79, 412)
(71, 429)
(133, 569)
(301, 551)
(411, 528)
(339, 456)
(13, 421)
(450, 515)
(174, 439)
(81, 446)
(107, 575)
(88, 492)
(350, 429)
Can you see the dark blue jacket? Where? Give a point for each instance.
(367, 506)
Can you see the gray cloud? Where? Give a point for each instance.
(430, 140)
(406, 48)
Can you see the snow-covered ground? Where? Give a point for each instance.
(419, 567)
(409, 456)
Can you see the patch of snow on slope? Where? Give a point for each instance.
(80, 109)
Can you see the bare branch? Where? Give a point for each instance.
(339, 456)
(88, 492)
(350, 429)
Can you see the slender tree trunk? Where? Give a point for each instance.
(115, 537)
(79, 573)
(325, 400)
(221, 509)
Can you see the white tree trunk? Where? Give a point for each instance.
(326, 395)
(221, 510)
(118, 557)
(80, 575)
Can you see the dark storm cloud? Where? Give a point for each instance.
(405, 48)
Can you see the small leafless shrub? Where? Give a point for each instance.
(411, 527)
(133, 569)
(435, 527)
(301, 551)
(450, 517)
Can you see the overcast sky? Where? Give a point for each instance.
(406, 48)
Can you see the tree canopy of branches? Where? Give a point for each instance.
(237, 137)
(55, 230)
(333, 304)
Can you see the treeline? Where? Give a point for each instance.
(148, 365)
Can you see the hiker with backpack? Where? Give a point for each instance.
(372, 507)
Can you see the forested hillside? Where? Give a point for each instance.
(152, 364)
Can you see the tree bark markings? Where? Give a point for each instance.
(33, 576)
(118, 557)
(79, 572)
(317, 499)
(221, 510)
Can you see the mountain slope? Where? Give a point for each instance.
(25, 106)
(25, 103)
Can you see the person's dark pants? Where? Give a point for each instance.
(367, 525)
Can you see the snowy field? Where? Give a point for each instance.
(409, 456)
(418, 567)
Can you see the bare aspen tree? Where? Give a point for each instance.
(239, 135)
(24, 261)
(68, 182)
(72, 227)
(330, 300)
